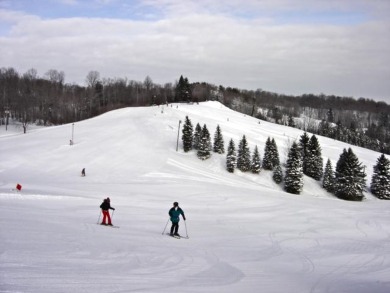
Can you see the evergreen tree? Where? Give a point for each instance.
(256, 162)
(349, 177)
(325, 129)
(243, 156)
(183, 90)
(380, 181)
(267, 159)
(197, 135)
(277, 175)
(187, 135)
(274, 154)
(291, 122)
(314, 161)
(219, 146)
(328, 180)
(271, 155)
(339, 131)
(231, 157)
(304, 146)
(293, 181)
(204, 151)
(330, 115)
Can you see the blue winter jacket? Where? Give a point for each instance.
(175, 214)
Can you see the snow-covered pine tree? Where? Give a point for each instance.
(204, 151)
(274, 154)
(293, 181)
(197, 134)
(187, 135)
(219, 146)
(328, 180)
(349, 177)
(256, 161)
(243, 156)
(267, 159)
(304, 147)
(231, 157)
(314, 161)
(380, 181)
(277, 175)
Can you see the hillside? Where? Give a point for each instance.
(245, 233)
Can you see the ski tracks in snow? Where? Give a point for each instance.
(194, 173)
(365, 258)
(181, 265)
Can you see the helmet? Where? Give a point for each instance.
(175, 204)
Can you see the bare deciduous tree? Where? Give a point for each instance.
(55, 76)
(92, 78)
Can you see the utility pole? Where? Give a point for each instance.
(6, 119)
(178, 131)
(71, 141)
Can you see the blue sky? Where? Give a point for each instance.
(287, 46)
(148, 10)
(64, 9)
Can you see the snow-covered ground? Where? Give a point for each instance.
(245, 233)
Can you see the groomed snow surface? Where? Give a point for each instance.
(245, 233)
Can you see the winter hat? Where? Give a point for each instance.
(108, 198)
(175, 204)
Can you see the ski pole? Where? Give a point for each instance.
(112, 215)
(98, 218)
(165, 227)
(185, 224)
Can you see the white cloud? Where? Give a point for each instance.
(216, 48)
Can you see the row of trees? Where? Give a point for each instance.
(46, 100)
(360, 129)
(30, 98)
(361, 122)
(346, 182)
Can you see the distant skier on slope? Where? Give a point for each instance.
(175, 213)
(83, 172)
(105, 206)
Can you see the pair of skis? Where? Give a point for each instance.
(112, 226)
(177, 236)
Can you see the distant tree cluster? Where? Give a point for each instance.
(362, 122)
(47, 99)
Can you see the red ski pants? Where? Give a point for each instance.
(106, 215)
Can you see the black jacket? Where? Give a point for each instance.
(106, 205)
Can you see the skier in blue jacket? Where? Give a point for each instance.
(175, 213)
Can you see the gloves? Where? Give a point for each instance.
(184, 218)
(113, 209)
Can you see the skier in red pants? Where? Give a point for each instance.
(105, 206)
